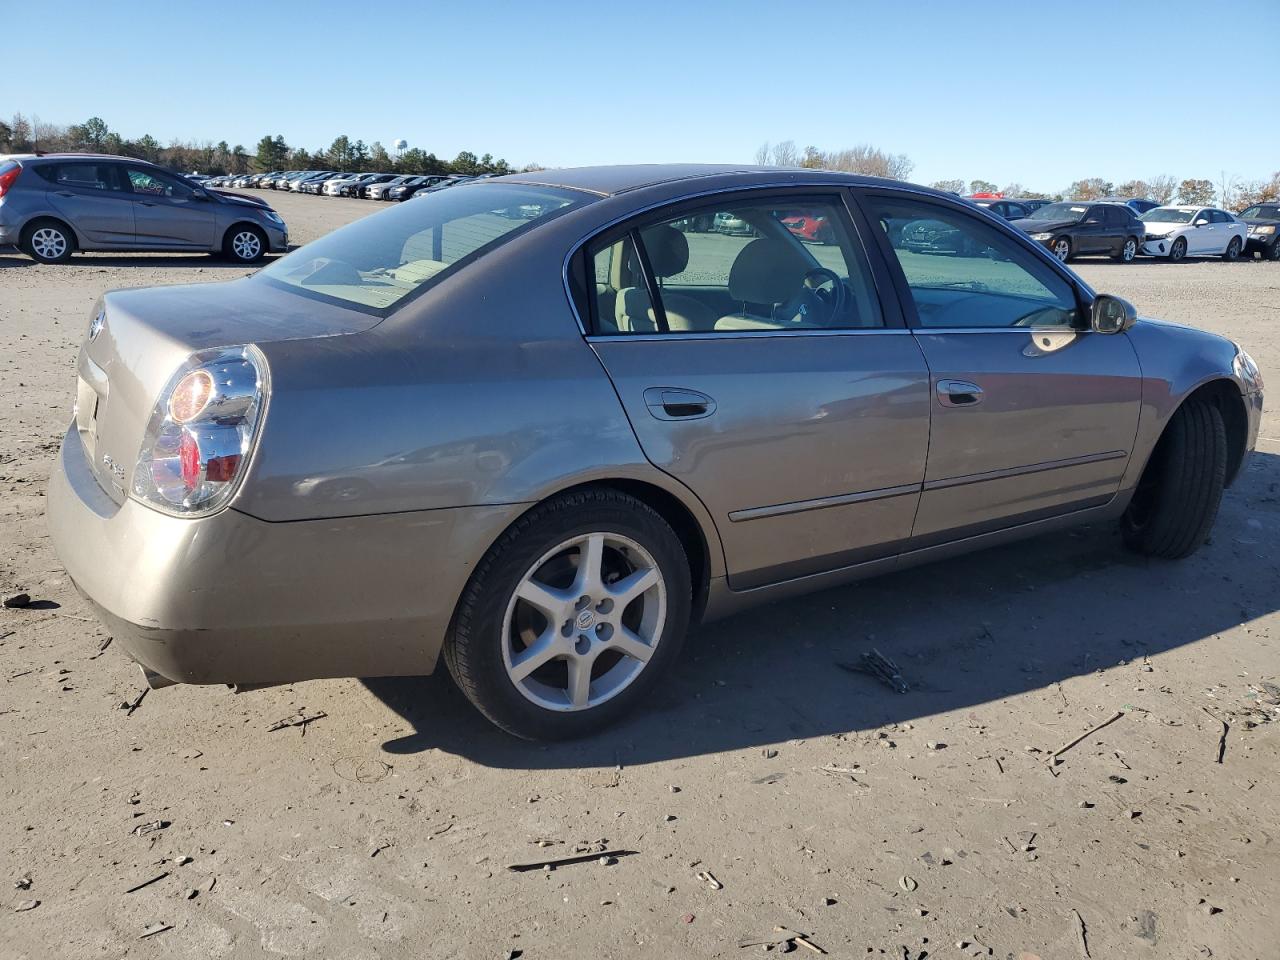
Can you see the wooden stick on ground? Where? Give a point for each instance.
(1084, 736)
(1222, 737)
(1080, 934)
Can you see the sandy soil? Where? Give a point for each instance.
(875, 823)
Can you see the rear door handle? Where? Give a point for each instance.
(676, 403)
(959, 393)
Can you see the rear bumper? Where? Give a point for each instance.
(233, 599)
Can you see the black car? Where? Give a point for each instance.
(1264, 230)
(1138, 205)
(1072, 229)
(1009, 209)
(403, 191)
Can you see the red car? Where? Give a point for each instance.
(808, 227)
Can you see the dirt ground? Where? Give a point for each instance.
(874, 823)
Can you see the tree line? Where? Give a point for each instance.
(27, 135)
(1229, 192)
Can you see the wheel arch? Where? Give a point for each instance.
(236, 225)
(1225, 396)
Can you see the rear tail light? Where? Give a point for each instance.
(7, 178)
(202, 432)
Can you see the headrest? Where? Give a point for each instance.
(667, 248)
(766, 271)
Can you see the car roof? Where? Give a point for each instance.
(611, 181)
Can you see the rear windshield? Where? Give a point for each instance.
(1167, 215)
(380, 260)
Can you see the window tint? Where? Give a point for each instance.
(81, 176)
(1116, 217)
(151, 184)
(1220, 217)
(765, 265)
(965, 273)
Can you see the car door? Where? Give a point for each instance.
(1202, 238)
(1116, 223)
(167, 212)
(1223, 230)
(93, 199)
(1032, 415)
(768, 376)
(1093, 231)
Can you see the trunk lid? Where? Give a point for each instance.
(145, 335)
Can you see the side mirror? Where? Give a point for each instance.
(199, 194)
(1111, 314)
(1201, 222)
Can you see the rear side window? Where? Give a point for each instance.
(965, 273)
(769, 265)
(1116, 216)
(378, 262)
(82, 176)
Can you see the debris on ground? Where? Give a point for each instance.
(907, 883)
(142, 829)
(102, 648)
(781, 937)
(298, 719)
(18, 601)
(596, 855)
(22, 883)
(147, 883)
(131, 705)
(709, 878)
(155, 928)
(876, 664)
(1082, 935)
(1222, 737)
(1053, 757)
(26, 905)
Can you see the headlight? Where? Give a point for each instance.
(1041, 236)
(1247, 370)
(273, 216)
(1267, 230)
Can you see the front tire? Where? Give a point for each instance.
(1179, 249)
(244, 244)
(48, 241)
(1274, 252)
(1062, 249)
(1178, 496)
(572, 616)
(1232, 253)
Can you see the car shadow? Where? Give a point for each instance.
(975, 629)
(11, 257)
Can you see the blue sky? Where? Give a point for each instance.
(1034, 92)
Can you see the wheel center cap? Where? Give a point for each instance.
(586, 619)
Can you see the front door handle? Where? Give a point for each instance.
(676, 403)
(959, 393)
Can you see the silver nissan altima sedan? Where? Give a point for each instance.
(539, 425)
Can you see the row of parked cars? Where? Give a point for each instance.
(1125, 227)
(337, 183)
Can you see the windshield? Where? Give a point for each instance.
(1167, 215)
(1256, 212)
(380, 260)
(1061, 211)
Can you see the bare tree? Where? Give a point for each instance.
(1228, 190)
(763, 153)
(785, 154)
(948, 186)
(1162, 188)
(1259, 191)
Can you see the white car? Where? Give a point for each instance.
(1177, 232)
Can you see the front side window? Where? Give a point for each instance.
(965, 273)
(747, 265)
(150, 184)
(379, 261)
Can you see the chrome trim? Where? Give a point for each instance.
(948, 331)
(821, 503)
(738, 334)
(1023, 471)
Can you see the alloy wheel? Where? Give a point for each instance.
(246, 245)
(1178, 250)
(583, 622)
(1062, 249)
(1130, 250)
(49, 243)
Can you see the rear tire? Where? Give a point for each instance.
(1178, 250)
(1128, 250)
(1232, 253)
(1177, 498)
(515, 603)
(48, 241)
(244, 244)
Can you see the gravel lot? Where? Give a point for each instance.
(822, 802)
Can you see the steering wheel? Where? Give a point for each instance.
(832, 301)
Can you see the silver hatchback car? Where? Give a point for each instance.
(534, 424)
(55, 204)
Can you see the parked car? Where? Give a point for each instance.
(810, 227)
(605, 476)
(725, 222)
(1003, 207)
(434, 183)
(312, 183)
(1034, 205)
(1263, 220)
(403, 191)
(1138, 205)
(1177, 232)
(1071, 229)
(444, 184)
(381, 189)
(57, 204)
(339, 186)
